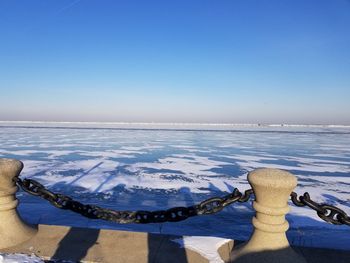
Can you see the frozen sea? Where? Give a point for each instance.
(152, 168)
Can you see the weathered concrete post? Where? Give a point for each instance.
(13, 230)
(268, 243)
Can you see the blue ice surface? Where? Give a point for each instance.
(69, 160)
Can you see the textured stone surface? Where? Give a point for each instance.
(12, 229)
(108, 246)
(268, 243)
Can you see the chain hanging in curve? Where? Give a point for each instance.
(328, 213)
(175, 214)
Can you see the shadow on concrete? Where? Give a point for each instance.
(323, 255)
(287, 255)
(76, 243)
(156, 250)
(295, 255)
(162, 250)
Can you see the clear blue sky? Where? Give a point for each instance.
(175, 61)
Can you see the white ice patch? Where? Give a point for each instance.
(95, 172)
(146, 147)
(321, 167)
(19, 258)
(205, 246)
(186, 164)
(196, 169)
(112, 153)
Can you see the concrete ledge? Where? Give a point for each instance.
(108, 246)
(323, 255)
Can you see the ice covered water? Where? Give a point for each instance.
(130, 169)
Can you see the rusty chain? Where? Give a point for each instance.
(175, 214)
(328, 213)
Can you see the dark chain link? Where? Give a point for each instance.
(175, 214)
(328, 213)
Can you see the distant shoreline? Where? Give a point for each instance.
(176, 126)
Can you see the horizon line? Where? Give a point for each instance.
(177, 123)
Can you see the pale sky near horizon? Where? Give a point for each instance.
(273, 61)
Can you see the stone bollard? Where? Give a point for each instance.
(13, 230)
(268, 243)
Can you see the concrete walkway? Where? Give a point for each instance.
(107, 246)
(111, 246)
(322, 255)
